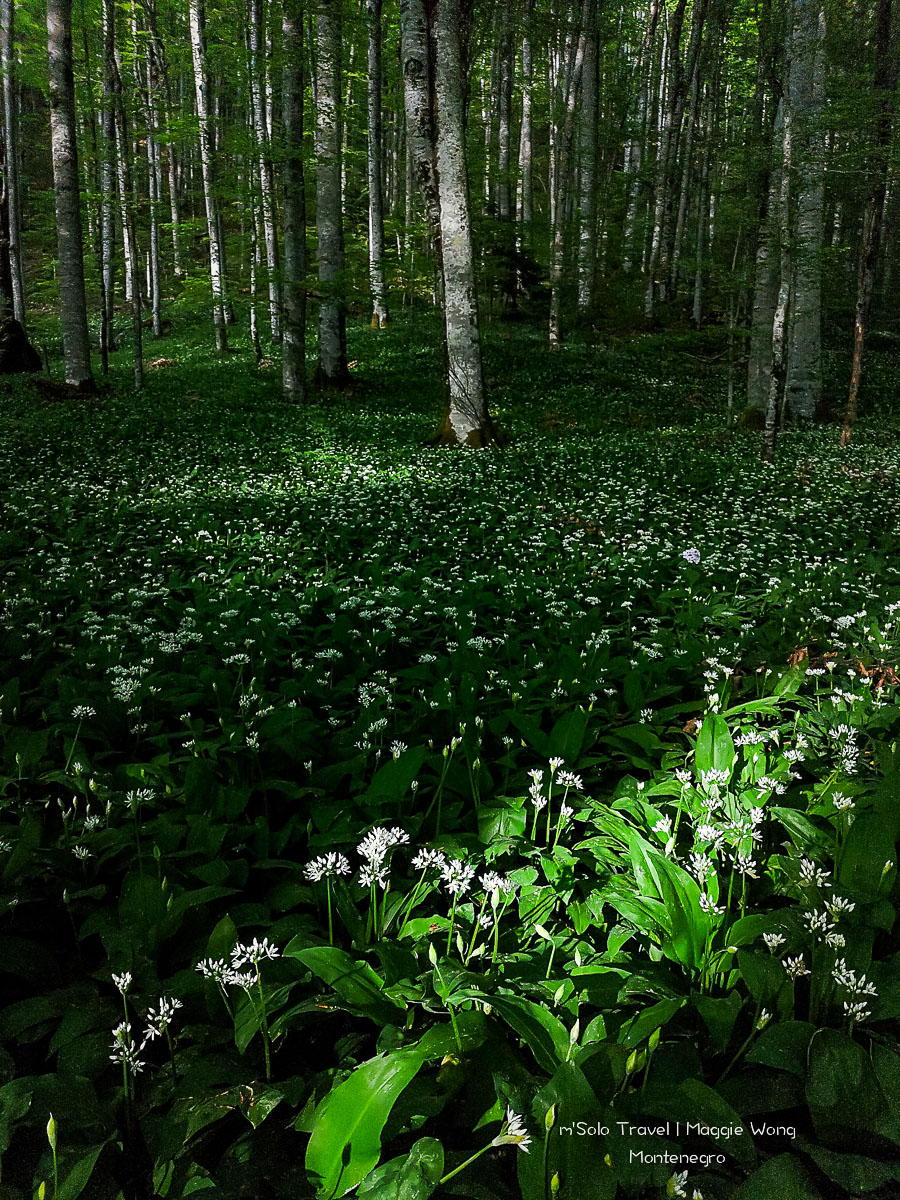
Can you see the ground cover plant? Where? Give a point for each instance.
(394, 822)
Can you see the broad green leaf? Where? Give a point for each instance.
(543, 1033)
(353, 980)
(346, 1139)
(79, 1176)
(782, 1178)
(784, 1045)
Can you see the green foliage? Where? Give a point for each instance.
(658, 795)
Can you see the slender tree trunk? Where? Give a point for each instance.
(665, 154)
(262, 134)
(562, 132)
(806, 86)
(776, 369)
(525, 184)
(504, 111)
(161, 87)
(293, 206)
(375, 155)
(587, 162)
(332, 371)
(201, 91)
(11, 157)
(466, 421)
(70, 247)
(879, 165)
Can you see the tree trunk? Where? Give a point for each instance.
(11, 157)
(587, 162)
(806, 89)
(504, 111)
(293, 206)
(375, 155)
(562, 128)
(466, 420)
(525, 185)
(262, 134)
(332, 371)
(201, 91)
(879, 165)
(776, 366)
(70, 247)
(418, 89)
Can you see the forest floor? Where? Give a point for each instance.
(635, 690)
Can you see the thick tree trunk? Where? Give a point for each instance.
(11, 157)
(466, 421)
(375, 156)
(418, 91)
(879, 165)
(332, 371)
(806, 88)
(293, 206)
(204, 117)
(70, 247)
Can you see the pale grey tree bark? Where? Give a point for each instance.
(262, 134)
(332, 371)
(525, 181)
(293, 206)
(159, 82)
(64, 150)
(374, 162)
(566, 79)
(587, 174)
(505, 62)
(765, 298)
(466, 421)
(776, 366)
(197, 16)
(806, 90)
(418, 90)
(11, 156)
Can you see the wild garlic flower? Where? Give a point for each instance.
(373, 874)
(457, 876)
(327, 865)
(159, 1019)
(125, 1051)
(691, 555)
(714, 778)
(813, 876)
(841, 802)
(513, 1133)
(123, 981)
(377, 843)
(857, 985)
(839, 905)
(857, 1010)
(683, 776)
(81, 711)
(773, 941)
(427, 858)
(252, 952)
(795, 967)
(493, 881)
(709, 906)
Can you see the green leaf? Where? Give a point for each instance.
(784, 1045)
(567, 736)
(784, 1177)
(412, 1176)
(346, 1139)
(842, 1088)
(79, 1177)
(714, 749)
(704, 1104)
(544, 1034)
(353, 980)
(854, 1172)
(634, 1032)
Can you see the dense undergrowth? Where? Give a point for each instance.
(368, 807)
